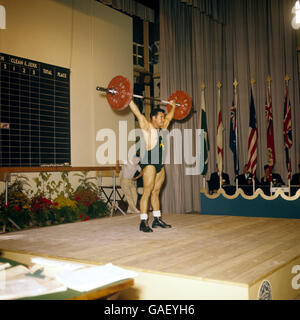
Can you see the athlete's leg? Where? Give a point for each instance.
(149, 175)
(157, 221)
(159, 180)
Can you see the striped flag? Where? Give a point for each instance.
(203, 126)
(220, 129)
(287, 132)
(233, 134)
(252, 138)
(270, 133)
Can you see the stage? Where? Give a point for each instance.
(201, 257)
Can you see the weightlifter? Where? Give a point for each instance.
(152, 164)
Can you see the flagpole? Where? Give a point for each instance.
(253, 175)
(235, 84)
(287, 79)
(220, 153)
(269, 80)
(203, 86)
(204, 177)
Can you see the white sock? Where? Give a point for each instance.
(144, 216)
(156, 214)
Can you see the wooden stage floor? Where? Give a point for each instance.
(233, 249)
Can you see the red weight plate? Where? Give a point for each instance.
(123, 95)
(182, 98)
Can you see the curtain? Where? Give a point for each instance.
(250, 39)
(132, 7)
(213, 8)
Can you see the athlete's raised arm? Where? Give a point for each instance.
(144, 124)
(170, 115)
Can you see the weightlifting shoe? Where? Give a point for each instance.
(144, 226)
(157, 222)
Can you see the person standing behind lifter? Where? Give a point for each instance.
(128, 183)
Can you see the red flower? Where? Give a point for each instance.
(81, 216)
(77, 198)
(7, 205)
(17, 208)
(46, 201)
(86, 218)
(55, 204)
(87, 204)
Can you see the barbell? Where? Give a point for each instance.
(119, 93)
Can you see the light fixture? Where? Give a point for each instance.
(296, 11)
(2, 17)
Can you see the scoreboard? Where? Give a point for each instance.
(34, 113)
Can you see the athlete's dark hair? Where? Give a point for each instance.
(155, 111)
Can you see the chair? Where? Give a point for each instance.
(110, 190)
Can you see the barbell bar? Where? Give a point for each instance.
(119, 93)
(154, 99)
(114, 92)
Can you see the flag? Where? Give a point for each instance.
(270, 133)
(203, 126)
(233, 134)
(287, 132)
(252, 138)
(220, 129)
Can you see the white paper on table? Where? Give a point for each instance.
(52, 267)
(29, 287)
(94, 277)
(4, 265)
(16, 271)
(19, 285)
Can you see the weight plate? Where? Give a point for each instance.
(182, 98)
(123, 93)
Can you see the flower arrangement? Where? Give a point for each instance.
(65, 209)
(40, 210)
(61, 202)
(90, 204)
(15, 213)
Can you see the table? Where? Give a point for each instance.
(248, 189)
(257, 207)
(104, 292)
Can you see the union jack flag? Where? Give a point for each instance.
(233, 117)
(287, 132)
